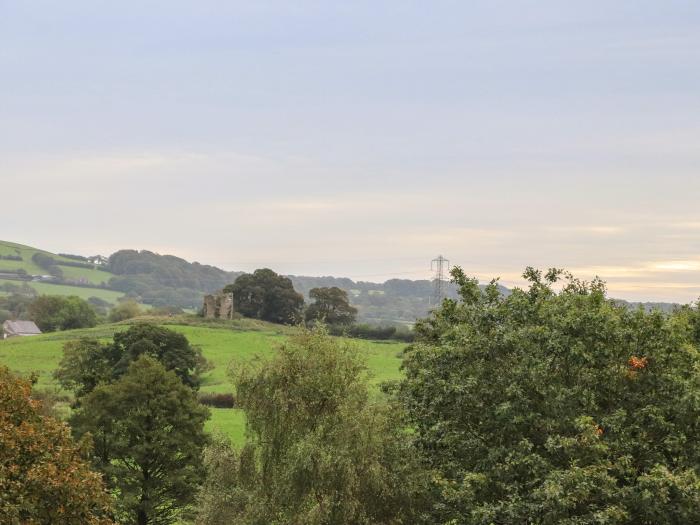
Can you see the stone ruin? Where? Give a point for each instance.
(218, 306)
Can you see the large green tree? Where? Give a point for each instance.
(87, 362)
(45, 477)
(53, 312)
(331, 305)
(320, 449)
(148, 430)
(556, 407)
(268, 296)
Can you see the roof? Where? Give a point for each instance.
(21, 327)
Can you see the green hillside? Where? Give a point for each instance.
(71, 273)
(110, 296)
(93, 276)
(236, 341)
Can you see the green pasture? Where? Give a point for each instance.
(223, 346)
(110, 296)
(93, 276)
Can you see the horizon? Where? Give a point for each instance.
(361, 140)
(430, 275)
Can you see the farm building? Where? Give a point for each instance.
(19, 329)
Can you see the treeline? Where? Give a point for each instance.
(164, 280)
(394, 302)
(271, 297)
(47, 262)
(57, 312)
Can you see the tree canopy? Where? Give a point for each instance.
(148, 429)
(319, 450)
(44, 476)
(87, 362)
(555, 407)
(164, 280)
(54, 312)
(331, 305)
(268, 296)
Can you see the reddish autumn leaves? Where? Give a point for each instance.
(44, 477)
(637, 363)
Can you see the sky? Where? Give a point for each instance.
(361, 138)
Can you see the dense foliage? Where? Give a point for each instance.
(331, 306)
(148, 430)
(44, 475)
(164, 280)
(320, 450)
(561, 408)
(15, 306)
(88, 362)
(54, 312)
(47, 263)
(268, 296)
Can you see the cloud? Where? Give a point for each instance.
(592, 229)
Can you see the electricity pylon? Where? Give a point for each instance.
(439, 265)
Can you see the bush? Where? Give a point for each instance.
(5, 315)
(217, 400)
(43, 260)
(376, 333)
(125, 310)
(47, 262)
(166, 311)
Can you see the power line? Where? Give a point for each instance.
(439, 264)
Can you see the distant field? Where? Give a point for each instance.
(220, 345)
(60, 289)
(26, 252)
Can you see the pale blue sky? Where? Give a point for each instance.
(360, 138)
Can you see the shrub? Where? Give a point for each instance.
(125, 310)
(217, 400)
(372, 332)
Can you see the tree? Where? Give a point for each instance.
(125, 310)
(44, 476)
(54, 312)
(149, 435)
(332, 306)
(319, 450)
(88, 362)
(546, 407)
(16, 305)
(267, 296)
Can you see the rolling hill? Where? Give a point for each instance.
(167, 280)
(18, 267)
(9, 252)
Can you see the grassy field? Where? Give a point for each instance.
(93, 276)
(110, 296)
(221, 345)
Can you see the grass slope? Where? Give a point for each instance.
(70, 272)
(110, 296)
(221, 343)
